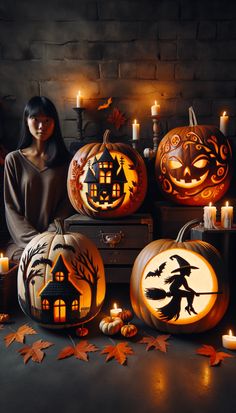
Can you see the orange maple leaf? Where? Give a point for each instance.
(116, 118)
(119, 352)
(158, 343)
(79, 351)
(215, 356)
(105, 105)
(35, 351)
(19, 335)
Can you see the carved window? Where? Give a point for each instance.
(45, 304)
(115, 190)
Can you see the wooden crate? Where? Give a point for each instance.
(169, 218)
(119, 241)
(224, 240)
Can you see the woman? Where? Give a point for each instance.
(35, 176)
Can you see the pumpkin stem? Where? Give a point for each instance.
(192, 117)
(183, 231)
(106, 136)
(59, 226)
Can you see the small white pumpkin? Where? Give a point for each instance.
(110, 325)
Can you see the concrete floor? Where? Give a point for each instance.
(179, 381)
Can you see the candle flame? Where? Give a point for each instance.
(224, 113)
(115, 305)
(155, 103)
(135, 121)
(79, 93)
(1, 255)
(227, 203)
(210, 204)
(230, 333)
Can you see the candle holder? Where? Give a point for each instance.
(8, 288)
(79, 113)
(135, 144)
(156, 128)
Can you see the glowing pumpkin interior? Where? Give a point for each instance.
(179, 286)
(108, 180)
(59, 283)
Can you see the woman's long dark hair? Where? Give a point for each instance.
(57, 153)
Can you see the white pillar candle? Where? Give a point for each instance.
(209, 216)
(115, 311)
(229, 341)
(227, 216)
(4, 263)
(136, 130)
(79, 100)
(155, 109)
(224, 123)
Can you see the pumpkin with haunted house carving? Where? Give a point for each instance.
(107, 180)
(61, 281)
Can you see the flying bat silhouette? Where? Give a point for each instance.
(105, 105)
(157, 272)
(64, 247)
(42, 261)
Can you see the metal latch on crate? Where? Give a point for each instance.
(111, 238)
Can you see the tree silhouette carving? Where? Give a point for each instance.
(28, 277)
(86, 270)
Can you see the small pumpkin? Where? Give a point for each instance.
(110, 325)
(126, 315)
(179, 286)
(194, 164)
(129, 330)
(107, 180)
(61, 279)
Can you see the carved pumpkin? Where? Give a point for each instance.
(61, 281)
(179, 286)
(107, 180)
(110, 325)
(194, 164)
(128, 330)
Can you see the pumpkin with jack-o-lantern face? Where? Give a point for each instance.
(193, 165)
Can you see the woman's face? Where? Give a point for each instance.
(41, 126)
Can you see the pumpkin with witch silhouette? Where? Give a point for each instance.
(194, 164)
(179, 286)
(61, 280)
(107, 180)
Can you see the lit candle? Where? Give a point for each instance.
(79, 100)
(209, 216)
(115, 311)
(4, 263)
(224, 122)
(136, 130)
(226, 216)
(229, 341)
(155, 109)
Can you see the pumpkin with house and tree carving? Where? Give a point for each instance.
(61, 280)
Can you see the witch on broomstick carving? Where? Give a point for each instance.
(172, 309)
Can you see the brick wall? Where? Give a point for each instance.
(179, 52)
